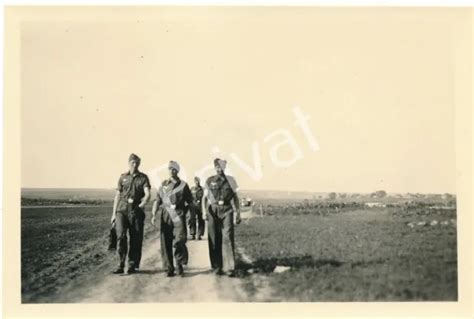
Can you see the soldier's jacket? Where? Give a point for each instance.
(197, 192)
(174, 193)
(220, 192)
(131, 187)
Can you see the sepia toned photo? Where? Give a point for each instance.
(240, 154)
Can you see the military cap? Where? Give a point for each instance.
(134, 157)
(174, 165)
(220, 162)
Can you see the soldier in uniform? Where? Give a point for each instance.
(173, 196)
(133, 192)
(196, 211)
(220, 202)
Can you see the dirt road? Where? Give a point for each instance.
(150, 284)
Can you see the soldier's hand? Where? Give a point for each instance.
(237, 219)
(112, 220)
(153, 220)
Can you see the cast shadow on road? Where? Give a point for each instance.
(268, 265)
(192, 273)
(150, 271)
(187, 273)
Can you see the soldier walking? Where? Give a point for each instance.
(133, 192)
(173, 195)
(220, 202)
(195, 211)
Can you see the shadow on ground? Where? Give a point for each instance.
(149, 271)
(268, 265)
(191, 273)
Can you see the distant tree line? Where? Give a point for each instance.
(61, 202)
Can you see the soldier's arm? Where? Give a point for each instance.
(145, 198)
(146, 189)
(188, 196)
(204, 203)
(237, 208)
(116, 199)
(153, 212)
(114, 209)
(236, 200)
(156, 203)
(237, 203)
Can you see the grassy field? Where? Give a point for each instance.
(336, 251)
(60, 246)
(360, 255)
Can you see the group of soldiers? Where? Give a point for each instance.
(217, 203)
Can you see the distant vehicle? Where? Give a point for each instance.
(246, 202)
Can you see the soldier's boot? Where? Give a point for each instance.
(218, 271)
(170, 272)
(131, 270)
(118, 270)
(180, 271)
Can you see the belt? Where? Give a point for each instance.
(129, 200)
(175, 207)
(171, 209)
(221, 203)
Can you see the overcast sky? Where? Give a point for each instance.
(375, 87)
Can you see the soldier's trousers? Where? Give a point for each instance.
(173, 237)
(131, 222)
(220, 234)
(195, 215)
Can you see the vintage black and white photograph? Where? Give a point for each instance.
(239, 154)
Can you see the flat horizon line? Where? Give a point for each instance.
(246, 190)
